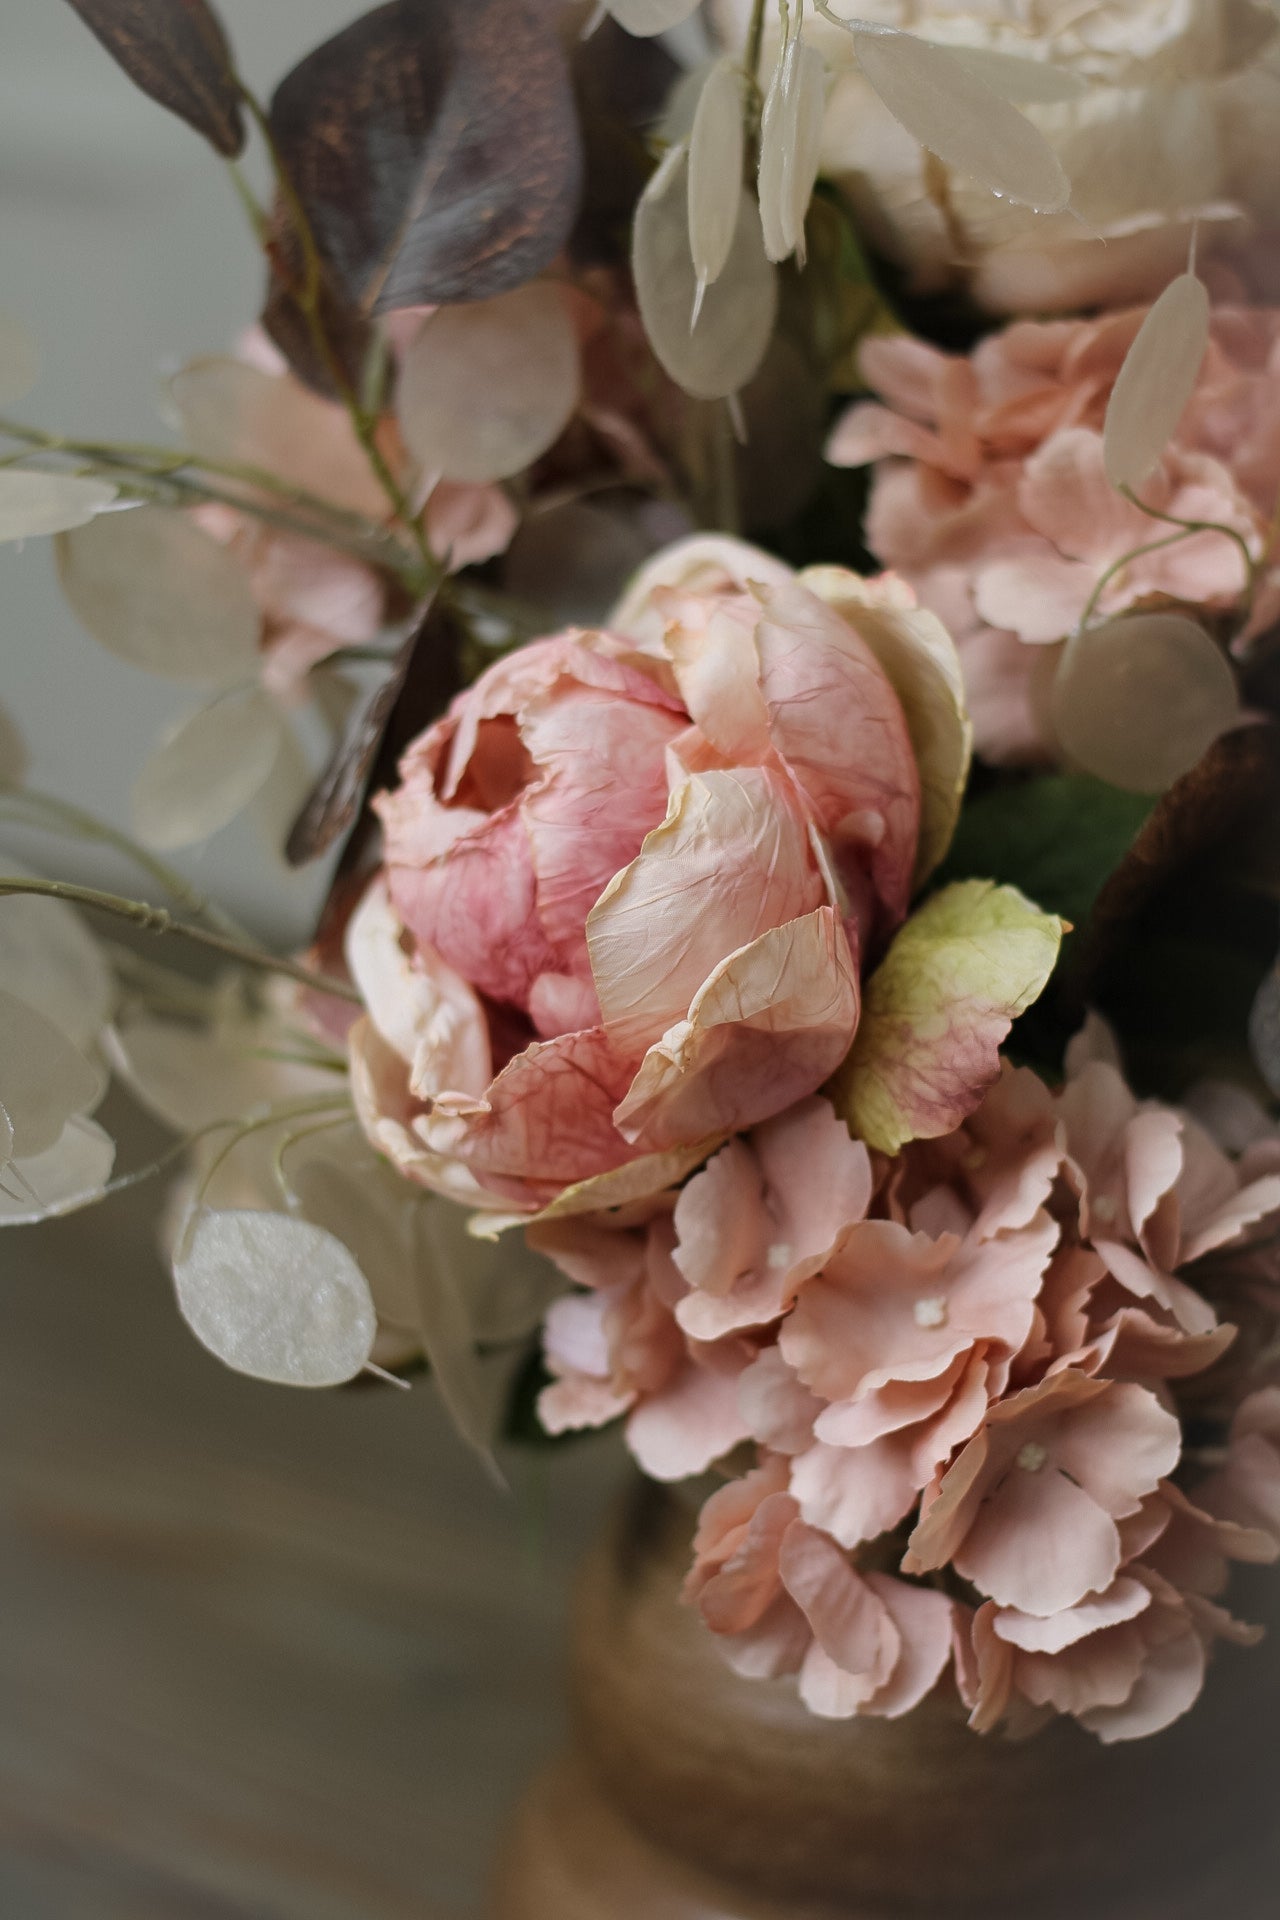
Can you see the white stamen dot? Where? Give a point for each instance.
(1105, 1208)
(930, 1312)
(1032, 1456)
(780, 1255)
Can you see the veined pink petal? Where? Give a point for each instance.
(546, 1121)
(386, 1110)
(1168, 1686)
(778, 1409)
(421, 1007)
(1042, 1547)
(1034, 1633)
(838, 724)
(771, 1023)
(730, 862)
(718, 674)
(604, 789)
(468, 524)
(1065, 495)
(477, 908)
(1038, 594)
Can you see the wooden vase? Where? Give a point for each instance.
(690, 1794)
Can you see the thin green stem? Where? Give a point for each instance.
(1117, 566)
(1199, 526)
(60, 816)
(160, 920)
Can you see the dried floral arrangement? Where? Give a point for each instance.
(776, 524)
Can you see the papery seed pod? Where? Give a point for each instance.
(720, 354)
(487, 386)
(70, 1174)
(19, 360)
(1138, 699)
(1155, 381)
(644, 18)
(275, 1297)
(790, 148)
(206, 770)
(957, 115)
(32, 504)
(716, 148)
(44, 1080)
(157, 591)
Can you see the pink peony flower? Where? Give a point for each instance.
(991, 499)
(627, 886)
(785, 1599)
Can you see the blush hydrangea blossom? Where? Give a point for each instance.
(958, 1373)
(990, 494)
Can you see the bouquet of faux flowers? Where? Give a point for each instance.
(823, 1019)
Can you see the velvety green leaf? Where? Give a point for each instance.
(176, 51)
(434, 147)
(1057, 837)
(937, 1009)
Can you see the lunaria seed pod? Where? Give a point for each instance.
(1138, 699)
(719, 354)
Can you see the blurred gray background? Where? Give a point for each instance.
(263, 1656)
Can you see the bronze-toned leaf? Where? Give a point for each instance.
(347, 334)
(425, 676)
(176, 52)
(435, 148)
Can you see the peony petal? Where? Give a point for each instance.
(1156, 380)
(156, 591)
(547, 1119)
(920, 661)
(937, 1009)
(837, 722)
(426, 1011)
(206, 770)
(768, 1027)
(730, 863)
(275, 1297)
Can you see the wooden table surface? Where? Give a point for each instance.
(264, 1655)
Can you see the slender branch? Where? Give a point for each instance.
(1201, 526)
(1117, 566)
(60, 816)
(755, 42)
(160, 920)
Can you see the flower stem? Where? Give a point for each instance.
(160, 920)
(60, 816)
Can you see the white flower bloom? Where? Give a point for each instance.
(1174, 124)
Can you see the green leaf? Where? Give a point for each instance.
(937, 1008)
(1057, 837)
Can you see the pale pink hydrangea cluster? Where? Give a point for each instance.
(956, 1380)
(991, 497)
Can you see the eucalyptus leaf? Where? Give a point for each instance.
(434, 147)
(1057, 837)
(175, 51)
